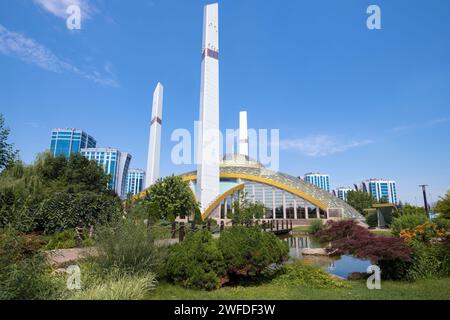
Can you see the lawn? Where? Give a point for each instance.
(301, 229)
(425, 289)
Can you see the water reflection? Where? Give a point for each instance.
(339, 266)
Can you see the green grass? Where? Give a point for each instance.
(301, 229)
(425, 289)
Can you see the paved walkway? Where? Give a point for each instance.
(65, 257)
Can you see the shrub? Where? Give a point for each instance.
(128, 246)
(442, 223)
(347, 237)
(196, 262)
(63, 211)
(115, 286)
(315, 226)
(92, 209)
(62, 240)
(372, 220)
(429, 261)
(53, 214)
(301, 274)
(248, 251)
(408, 221)
(336, 230)
(423, 233)
(23, 270)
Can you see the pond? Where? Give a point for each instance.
(339, 266)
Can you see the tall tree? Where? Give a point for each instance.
(170, 198)
(360, 200)
(443, 206)
(7, 152)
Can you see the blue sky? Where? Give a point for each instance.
(351, 102)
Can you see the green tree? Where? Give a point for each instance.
(54, 194)
(170, 198)
(360, 200)
(246, 211)
(443, 206)
(408, 209)
(7, 152)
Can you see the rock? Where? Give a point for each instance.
(314, 251)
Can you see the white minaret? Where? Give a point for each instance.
(208, 146)
(154, 144)
(243, 133)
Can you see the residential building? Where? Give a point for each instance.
(381, 190)
(135, 181)
(319, 180)
(342, 192)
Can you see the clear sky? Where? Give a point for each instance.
(351, 102)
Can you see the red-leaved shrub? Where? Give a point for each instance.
(347, 237)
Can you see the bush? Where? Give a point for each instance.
(429, 261)
(347, 237)
(301, 274)
(196, 262)
(62, 240)
(408, 221)
(23, 270)
(115, 286)
(442, 223)
(372, 220)
(248, 251)
(128, 246)
(53, 214)
(315, 226)
(424, 233)
(64, 211)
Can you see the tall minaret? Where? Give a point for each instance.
(154, 145)
(208, 146)
(243, 133)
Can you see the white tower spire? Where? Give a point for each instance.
(208, 145)
(154, 145)
(243, 133)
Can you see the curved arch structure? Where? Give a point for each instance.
(252, 171)
(219, 199)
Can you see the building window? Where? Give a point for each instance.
(290, 212)
(301, 213)
(312, 212)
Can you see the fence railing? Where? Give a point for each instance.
(180, 228)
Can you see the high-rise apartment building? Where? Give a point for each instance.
(381, 190)
(319, 180)
(135, 181)
(342, 192)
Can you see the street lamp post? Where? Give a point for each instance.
(425, 202)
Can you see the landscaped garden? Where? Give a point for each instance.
(59, 203)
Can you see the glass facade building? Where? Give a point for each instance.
(115, 163)
(284, 197)
(135, 181)
(341, 193)
(382, 190)
(319, 180)
(68, 141)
